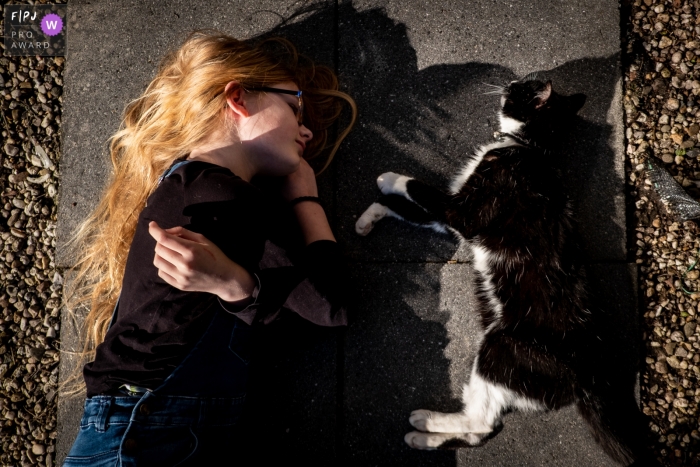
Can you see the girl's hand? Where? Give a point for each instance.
(300, 183)
(190, 262)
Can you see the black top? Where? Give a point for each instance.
(156, 324)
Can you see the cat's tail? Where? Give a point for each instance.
(619, 427)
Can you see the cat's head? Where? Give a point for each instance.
(532, 108)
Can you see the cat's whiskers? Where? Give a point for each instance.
(497, 89)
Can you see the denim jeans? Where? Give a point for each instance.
(189, 420)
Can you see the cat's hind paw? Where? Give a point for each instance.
(418, 440)
(373, 214)
(420, 419)
(439, 422)
(390, 183)
(431, 441)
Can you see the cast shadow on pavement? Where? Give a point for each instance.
(344, 397)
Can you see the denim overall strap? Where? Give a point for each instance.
(172, 169)
(217, 366)
(114, 313)
(187, 419)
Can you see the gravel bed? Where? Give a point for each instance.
(30, 286)
(662, 111)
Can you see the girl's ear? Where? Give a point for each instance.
(235, 99)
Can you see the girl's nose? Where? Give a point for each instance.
(305, 133)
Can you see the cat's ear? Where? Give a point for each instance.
(543, 95)
(575, 102)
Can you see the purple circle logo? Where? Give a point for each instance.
(51, 24)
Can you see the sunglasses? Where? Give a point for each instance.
(299, 111)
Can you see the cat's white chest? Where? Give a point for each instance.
(468, 169)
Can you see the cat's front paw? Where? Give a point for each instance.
(392, 184)
(373, 214)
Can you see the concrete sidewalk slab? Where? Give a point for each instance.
(417, 71)
(412, 334)
(412, 347)
(419, 75)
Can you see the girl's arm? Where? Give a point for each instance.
(310, 215)
(190, 262)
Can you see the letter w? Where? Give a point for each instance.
(52, 24)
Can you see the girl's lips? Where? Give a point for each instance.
(303, 146)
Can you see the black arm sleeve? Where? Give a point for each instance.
(316, 288)
(311, 281)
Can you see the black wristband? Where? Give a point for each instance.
(298, 200)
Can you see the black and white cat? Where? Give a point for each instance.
(538, 351)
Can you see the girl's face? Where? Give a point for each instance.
(271, 134)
